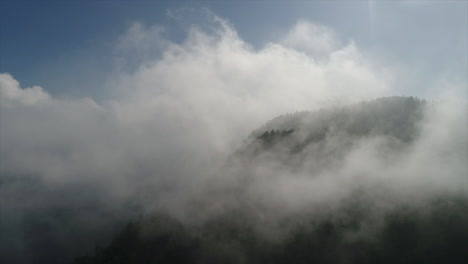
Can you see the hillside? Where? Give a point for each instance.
(338, 185)
(327, 135)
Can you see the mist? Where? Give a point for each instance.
(75, 169)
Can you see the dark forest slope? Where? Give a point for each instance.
(368, 224)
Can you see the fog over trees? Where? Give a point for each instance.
(332, 213)
(208, 149)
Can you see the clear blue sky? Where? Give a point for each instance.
(64, 46)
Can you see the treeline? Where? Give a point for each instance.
(436, 234)
(396, 116)
(325, 136)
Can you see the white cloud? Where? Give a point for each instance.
(206, 93)
(316, 40)
(221, 80)
(178, 115)
(10, 92)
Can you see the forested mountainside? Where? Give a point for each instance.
(395, 116)
(327, 135)
(342, 185)
(437, 234)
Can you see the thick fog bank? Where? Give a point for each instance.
(170, 138)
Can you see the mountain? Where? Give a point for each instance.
(340, 185)
(327, 135)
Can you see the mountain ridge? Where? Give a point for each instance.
(302, 189)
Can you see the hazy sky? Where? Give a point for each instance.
(68, 48)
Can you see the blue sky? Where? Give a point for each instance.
(67, 46)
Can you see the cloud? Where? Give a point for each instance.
(207, 92)
(10, 92)
(219, 77)
(181, 111)
(315, 40)
(175, 118)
